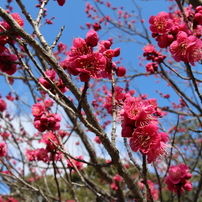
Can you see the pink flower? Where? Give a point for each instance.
(5, 135)
(44, 120)
(119, 97)
(51, 121)
(158, 149)
(177, 172)
(114, 186)
(57, 81)
(97, 140)
(139, 110)
(149, 48)
(3, 105)
(97, 26)
(177, 179)
(90, 64)
(82, 60)
(79, 48)
(11, 199)
(179, 47)
(109, 54)
(30, 154)
(118, 178)
(186, 48)
(48, 103)
(78, 164)
(143, 138)
(3, 149)
(17, 18)
(47, 138)
(187, 186)
(38, 109)
(151, 54)
(42, 155)
(7, 63)
(127, 131)
(160, 23)
(164, 40)
(152, 67)
(10, 97)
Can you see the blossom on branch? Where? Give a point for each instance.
(186, 48)
(8, 62)
(88, 63)
(140, 124)
(3, 149)
(4, 26)
(160, 23)
(182, 38)
(44, 119)
(177, 179)
(51, 74)
(3, 105)
(73, 162)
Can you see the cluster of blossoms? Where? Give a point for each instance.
(123, 16)
(182, 38)
(51, 140)
(117, 179)
(51, 74)
(156, 57)
(82, 60)
(140, 123)
(5, 135)
(50, 153)
(119, 96)
(7, 59)
(90, 11)
(44, 119)
(40, 154)
(177, 179)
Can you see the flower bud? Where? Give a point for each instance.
(188, 176)
(188, 186)
(121, 71)
(84, 77)
(92, 38)
(116, 52)
(61, 2)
